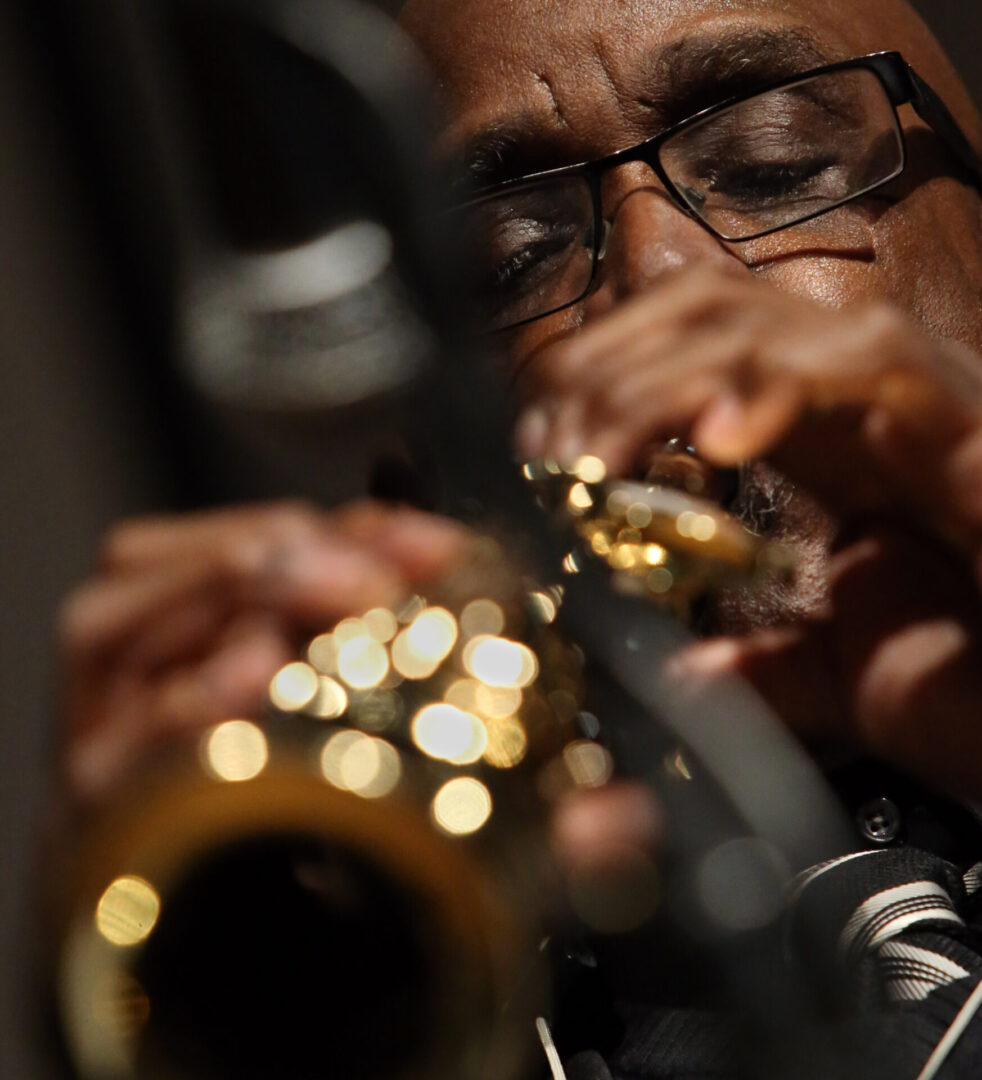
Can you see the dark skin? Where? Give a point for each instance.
(842, 354)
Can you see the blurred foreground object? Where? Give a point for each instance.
(355, 885)
(358, 885)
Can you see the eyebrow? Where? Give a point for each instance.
(679, 80)
(698, 72)
(506, 148)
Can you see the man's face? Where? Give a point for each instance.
(534, 84)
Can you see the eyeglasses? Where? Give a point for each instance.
(743, 169)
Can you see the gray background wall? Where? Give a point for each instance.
(71, 458)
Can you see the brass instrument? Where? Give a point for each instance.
(383, 823)
(660, 537)
(357, 884)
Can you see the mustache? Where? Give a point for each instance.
(760, 497)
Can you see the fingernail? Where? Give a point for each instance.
(321, 564)
(570, 448)
(328, 576)
(531, 432)
(720, 431)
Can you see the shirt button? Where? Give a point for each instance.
(879, 821)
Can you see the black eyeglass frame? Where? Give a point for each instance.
(902, 84)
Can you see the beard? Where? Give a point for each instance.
(771, 505)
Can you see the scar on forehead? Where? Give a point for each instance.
(557, 108)
(598, 51)
(669, 83)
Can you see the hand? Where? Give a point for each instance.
(881, 423)
(188, 618)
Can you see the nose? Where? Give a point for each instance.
(650, 236)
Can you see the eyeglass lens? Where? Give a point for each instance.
(762, 164)
(534, 247)
(786, 155)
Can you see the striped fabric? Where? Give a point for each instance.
(910, 973)
(892, 911)
(973, 879)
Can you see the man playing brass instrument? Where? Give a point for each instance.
(793, 278)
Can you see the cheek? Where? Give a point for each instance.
(831, 260)
(930, 255)
(829, 280)
(523, 346)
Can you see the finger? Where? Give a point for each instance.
(605, 842)
(909, 646)
(238, 535)
(140, 717)
(792, 668)
(657, 388)
(733, 428)
(589, 823)
(103, 614)
(319, 578)
(184, 636)
(420, 545)
(687, 299)
(619, 441)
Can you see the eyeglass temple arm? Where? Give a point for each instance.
(933, 111)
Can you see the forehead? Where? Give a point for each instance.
(536, 83)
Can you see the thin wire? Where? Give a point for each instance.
(552, 1054)
(952, 1035)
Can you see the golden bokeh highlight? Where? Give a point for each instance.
(363, 662)
(127, 911)
(293, 686)
(381, 624)
(432, 634)
(349, 630)
(600, 543)
(447, 733)
(579, 499)
(654, 554)
(463, 694)
(462, 806)
(638, 515)
(498, 702)
(543, 607)
(507, 742)
(408, 663)
(323, 654)
(500, 662)
(571, 564)
(235, 750)
(482, 617)
(590, 469)
(330, 701)
(695, 526)
(425, 643)
(588, 763)
(626, 556)
(360, 763)
(704, 528)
